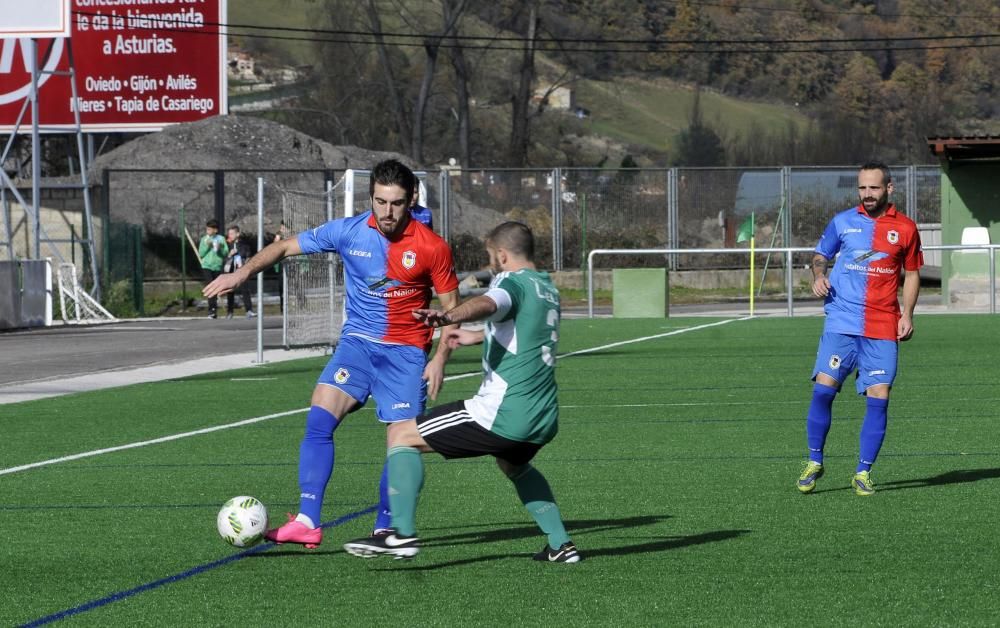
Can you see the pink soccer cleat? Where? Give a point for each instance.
(296, 532)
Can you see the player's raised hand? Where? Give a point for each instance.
(221, 285)
(432, 318)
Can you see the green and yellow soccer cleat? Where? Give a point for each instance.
(812, 472)
(862, 483)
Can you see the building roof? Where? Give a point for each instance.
(965, 147)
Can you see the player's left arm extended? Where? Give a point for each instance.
(475, 309)
(267, 257)
(911, 290)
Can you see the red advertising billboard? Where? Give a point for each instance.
(140, 65)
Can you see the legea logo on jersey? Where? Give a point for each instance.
(892, 237)
(341, 376)
(835, 361)
(409, 259)
(397, 406)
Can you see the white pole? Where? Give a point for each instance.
(260, 275)
(48, 292)
(36, 150)
(348, 193)
(331, 273)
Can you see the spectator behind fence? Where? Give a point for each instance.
(212, 251)
(239, 253)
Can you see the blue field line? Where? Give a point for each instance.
(122, 595)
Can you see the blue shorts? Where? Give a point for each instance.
(393, 374)
(839, 355)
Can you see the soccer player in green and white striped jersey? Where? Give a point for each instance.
(514, 414)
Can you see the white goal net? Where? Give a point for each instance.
(312, 286)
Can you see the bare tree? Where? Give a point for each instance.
(451, 10)
(395, 89)
(520, 118)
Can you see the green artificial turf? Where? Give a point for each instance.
(674, 469)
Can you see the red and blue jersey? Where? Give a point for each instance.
(864, 281)
(385, 280)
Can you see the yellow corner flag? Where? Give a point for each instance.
(744, 233)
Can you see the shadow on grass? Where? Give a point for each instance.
(580, 529)
(498, 532)
(960, 476)
(577, 526)
(662, 544)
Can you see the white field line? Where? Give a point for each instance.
(268, 417)
(684, 404)
(155, 441)
(645, 338)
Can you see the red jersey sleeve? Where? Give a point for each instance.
(914, 254)
(443, 269)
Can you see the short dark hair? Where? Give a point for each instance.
(234, 228)
(515, 237)
(878, 165)
(393, 172)
(213, 223)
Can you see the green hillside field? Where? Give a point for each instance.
(652, 113)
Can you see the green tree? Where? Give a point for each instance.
(698, 144)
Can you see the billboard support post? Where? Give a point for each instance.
(102, 71)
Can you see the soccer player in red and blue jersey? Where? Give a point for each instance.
(874, 246)
(391, 263)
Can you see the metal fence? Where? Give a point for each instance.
(571, 210)
(574, 210)
(988, 280)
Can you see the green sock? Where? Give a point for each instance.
(537, 497)
(406, 478)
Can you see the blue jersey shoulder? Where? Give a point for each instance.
(332, 236)
(843, 222)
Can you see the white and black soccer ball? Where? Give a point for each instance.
(242, 521)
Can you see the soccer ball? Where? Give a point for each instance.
(242, 521)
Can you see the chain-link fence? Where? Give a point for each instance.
(571, 210)
(170, 208)
(575, 210)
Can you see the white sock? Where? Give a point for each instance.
(305, 519)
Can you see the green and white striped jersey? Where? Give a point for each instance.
(518, 398)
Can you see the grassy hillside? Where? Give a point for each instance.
(632, 112)
(280, 13)
(651, 114)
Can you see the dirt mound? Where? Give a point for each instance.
(235, 143)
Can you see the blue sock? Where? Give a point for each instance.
(818, 420)
(316, 461)
(384, 517)
(872, 432)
